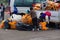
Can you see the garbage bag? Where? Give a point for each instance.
(6, 24)
(15, 17)
(27, 19)
(12, 24)
(24, 27)
(48, 13)
(43, 25)
(2, 24)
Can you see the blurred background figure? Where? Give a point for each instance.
(2, 11)
(7, 12)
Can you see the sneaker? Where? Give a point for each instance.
(38, 29)
(33, 29)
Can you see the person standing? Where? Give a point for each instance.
(2, 11)
(34, 19)
(7, 13)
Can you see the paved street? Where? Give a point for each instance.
(29, 35)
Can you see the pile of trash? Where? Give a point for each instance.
(20, 22)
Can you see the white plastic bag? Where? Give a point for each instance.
(16, 17)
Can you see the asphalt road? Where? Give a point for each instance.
(29, 35)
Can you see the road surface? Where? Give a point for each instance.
(29, 35)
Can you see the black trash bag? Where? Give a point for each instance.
(6, 24)
(23, 27)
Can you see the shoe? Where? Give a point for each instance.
(33, 29)
(38, 29)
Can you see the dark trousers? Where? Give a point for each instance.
(2, 15)
(35, 23)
